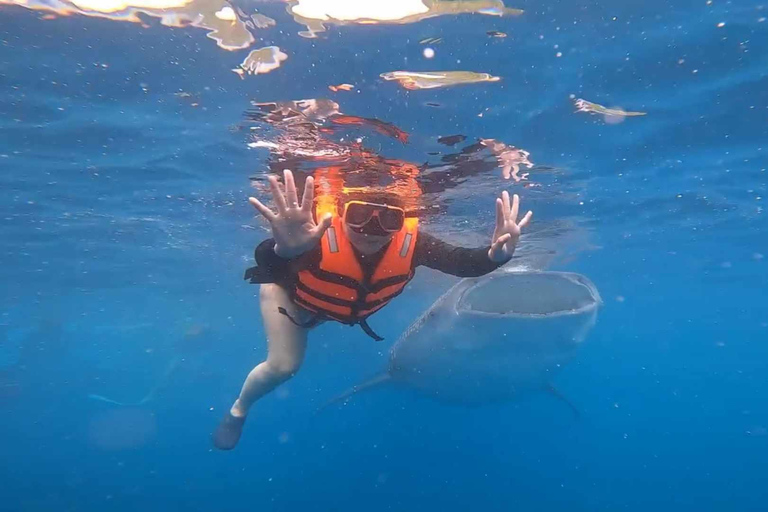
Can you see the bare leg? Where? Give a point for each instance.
(286, 344)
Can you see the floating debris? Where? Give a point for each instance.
(341, 87)
(510, 159)
(261, 61)
(594, 108)
(433, 104)
(435, 79)
(224, 24)
(496, 33)
(261, 21)
(431, 40)
(315, 14)
(451, 140)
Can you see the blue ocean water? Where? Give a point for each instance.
(126, 231)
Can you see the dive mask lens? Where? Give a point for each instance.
(391, 219)
(357, 215)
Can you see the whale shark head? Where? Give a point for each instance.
(529, 294)
(490, 338)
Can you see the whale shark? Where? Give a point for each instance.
(493, 338)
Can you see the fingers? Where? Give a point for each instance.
(277, 194)
(290, 189)
(496, 252)
(309, 194)
(322, 225)
(505, 200)
(266, 212)
(495, 248)
(515, 208)
(502, 240)
(525, 220)
(499, 213)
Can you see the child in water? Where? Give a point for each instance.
(343, 263)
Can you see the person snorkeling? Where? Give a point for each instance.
(331, 260)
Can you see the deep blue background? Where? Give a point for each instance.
(124, 223)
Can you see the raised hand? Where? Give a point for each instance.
(508, 230)
(293, 226)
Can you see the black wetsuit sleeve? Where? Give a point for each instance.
(271, 268)
(266, 258)
(447, 258)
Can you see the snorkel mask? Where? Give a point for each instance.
(372, 218)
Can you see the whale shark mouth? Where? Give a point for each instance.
(530, 294)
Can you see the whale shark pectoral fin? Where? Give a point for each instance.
(552, 390)
(374, 382)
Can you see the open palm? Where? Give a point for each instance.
(508, 230)
(293, 226)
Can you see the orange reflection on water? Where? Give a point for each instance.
(312, 137)
(228, 26)
(388, 129)
(341, 87)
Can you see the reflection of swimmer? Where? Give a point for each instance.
(304, 126)
(387, 129)
(343, 262)
(451, 140)
(283, 112)
(302, 135)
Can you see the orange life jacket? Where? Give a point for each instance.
(339, 289)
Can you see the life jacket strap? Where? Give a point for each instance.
(367, 329)
(312, 322)
(316, 319)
